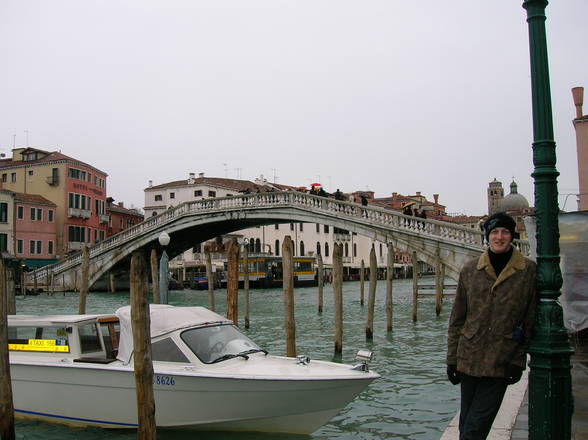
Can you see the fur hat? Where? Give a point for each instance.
(499, 220)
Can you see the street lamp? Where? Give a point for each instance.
(163, 268)
(550, 383)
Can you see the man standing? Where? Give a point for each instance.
(490, 327)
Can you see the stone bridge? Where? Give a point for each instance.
(197, 221)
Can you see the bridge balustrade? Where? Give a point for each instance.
(374, 216)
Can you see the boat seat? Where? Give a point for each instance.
(93, 360)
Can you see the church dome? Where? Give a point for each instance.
(514, 201)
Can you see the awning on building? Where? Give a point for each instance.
(34, 263)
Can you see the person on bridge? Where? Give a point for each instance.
(490, 327)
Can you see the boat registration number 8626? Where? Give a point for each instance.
(163, 380)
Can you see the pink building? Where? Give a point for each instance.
(34, 229)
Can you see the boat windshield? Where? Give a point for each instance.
(218, 342)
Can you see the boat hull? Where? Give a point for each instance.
(106, 397)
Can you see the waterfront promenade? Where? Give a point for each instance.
(512, 422)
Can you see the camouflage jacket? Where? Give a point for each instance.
(492, 318)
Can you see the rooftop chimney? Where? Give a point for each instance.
(436, 197)
(418, 193)
(578, 94)
(121, 204)
(192, 175)
(150, 183)
(201, 174)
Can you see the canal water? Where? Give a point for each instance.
(412, 400)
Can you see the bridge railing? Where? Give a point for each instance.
(374, 215)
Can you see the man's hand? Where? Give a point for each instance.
(514, 374)
(452, 374)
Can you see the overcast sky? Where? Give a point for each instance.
(386, 95)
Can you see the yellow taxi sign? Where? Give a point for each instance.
(46, 345)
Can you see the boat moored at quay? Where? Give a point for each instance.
(78, 370)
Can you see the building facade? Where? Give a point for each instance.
(121, 218)
(76, 188)
(309, 239)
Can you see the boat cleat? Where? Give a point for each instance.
(303, 359)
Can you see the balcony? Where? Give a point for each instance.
(53, 180)
(341, 237)
(104, 218)
(75, 245)
(79, 213)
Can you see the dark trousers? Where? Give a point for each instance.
(480, 401)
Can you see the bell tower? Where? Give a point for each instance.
(495, 195)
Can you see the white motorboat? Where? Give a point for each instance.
(78, 370)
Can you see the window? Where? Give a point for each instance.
(172, 195)
(13, 177)
(89, 339)
(346, 249)
(211, 193)
(3, 242)
(19, 246)
(326, 229)
(198, 193)
(197, 249)
(50, 247)
(31, 172)
(78, 174)
(36, 214)
(258, 245)
(301, 227)
(166, 350)
(158, 197)
(4, 177)
(277, 226)
(277, 250)
(380, 249)
(3, 212)
(318, 228)
(291, 226)
(355, 249)
(77, 234)
(326, 249)
(302, 248)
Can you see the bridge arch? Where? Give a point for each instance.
(195, 222)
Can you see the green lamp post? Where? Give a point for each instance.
(550, 394)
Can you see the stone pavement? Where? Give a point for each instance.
(512, 420)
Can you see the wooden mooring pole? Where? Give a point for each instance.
(439, 285)
(6, 401)
(362, 283)
(321, 282)
(389, 278)
(245, 284)
(415, 286)
(369, 329)
(233, 281)
(209, 278)
(154, 276)
(143, 364)
(338, 296)
(84, 284)
(288, 286)
(111, 285)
